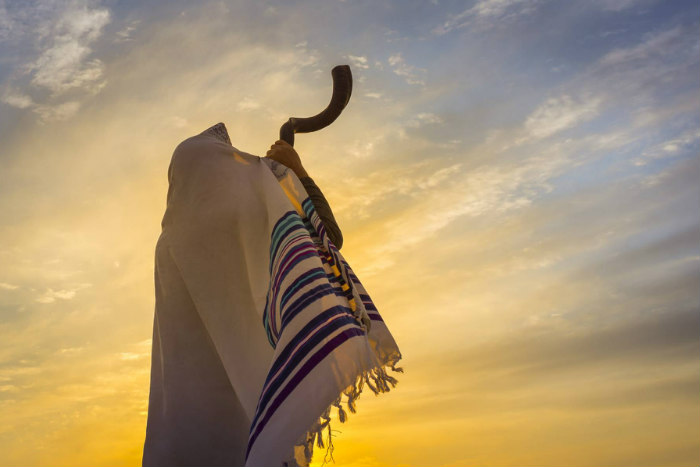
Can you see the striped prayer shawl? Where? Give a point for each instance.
(313, 318)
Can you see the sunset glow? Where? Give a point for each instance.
(516, 182)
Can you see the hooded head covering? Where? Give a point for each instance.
(260, 324)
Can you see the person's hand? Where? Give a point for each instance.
(286, 155)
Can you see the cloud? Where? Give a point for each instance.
(541, 352)
(642, 75)
(64, 65)
(560, 113)
(424, 118)
(678, 145)
(248, 103)
(618, 5)
(177, 122)
(358, 61)
(6, 286)
(656, 45)
(401, 68)
(7, 24)
(57, 41)
(472, 192)
(496, 8)
(17, 99)
(486, 13)
(124, 35)
(51, 295)
(129, 356)
(62, 111)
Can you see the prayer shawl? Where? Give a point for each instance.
(260, 324)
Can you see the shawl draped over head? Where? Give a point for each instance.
(260, 324)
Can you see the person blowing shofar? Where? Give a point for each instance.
(260, 324)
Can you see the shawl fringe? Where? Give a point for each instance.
(377, 379)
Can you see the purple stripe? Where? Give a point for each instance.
(287, 256)
(375, 316)
(297, 254)
(301, 374)
(369, 306)
(316, 340)
(287, 244)
(297, 346)
(289, 261)
(300, 252)
(279, 272)
(304, 300)
(283, 238)
(316, 222)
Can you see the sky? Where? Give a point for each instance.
(516, 182)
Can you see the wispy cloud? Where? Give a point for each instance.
(60, 59)
(424, 118)
(17, 99)
(678, 145)
(51, 295)
(619, 5)
(125, 34)
(485, 12)
(359, 61)
(656, 45)
(408, 72)
(560, 113)
(248, 103)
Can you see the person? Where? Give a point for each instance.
(207, 337)
(260, 325)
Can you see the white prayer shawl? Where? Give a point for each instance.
(258, 326)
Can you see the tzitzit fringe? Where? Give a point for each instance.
(377, 379)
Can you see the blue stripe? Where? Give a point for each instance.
(307, 205)
(301, 255)
(266, 322)
(282, 224)
(304, 350)
(369, 304)
(302, 334)
(306, 299)
(309, 277)
(280, 236)
(294, 382)
(301, 252)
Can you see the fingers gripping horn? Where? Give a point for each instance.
(342, 89)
